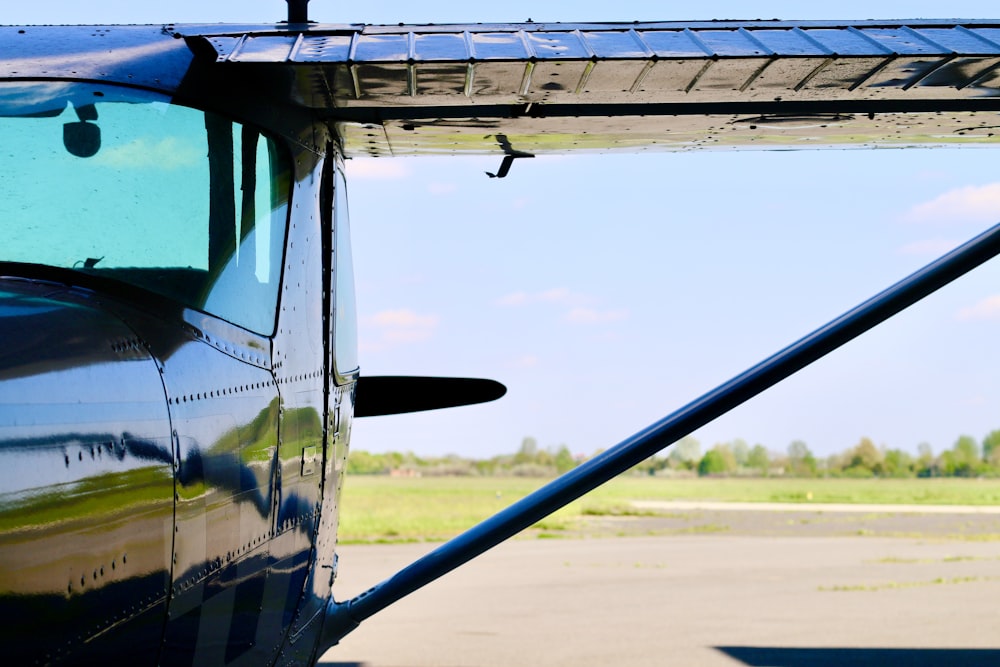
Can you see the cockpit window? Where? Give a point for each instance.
(123, 184)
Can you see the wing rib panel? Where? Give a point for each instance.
(672, 85)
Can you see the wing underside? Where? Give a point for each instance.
(555, 88)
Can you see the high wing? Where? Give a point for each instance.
(552, 88)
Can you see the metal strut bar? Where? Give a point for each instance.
(345, 616)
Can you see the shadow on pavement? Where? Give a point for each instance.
(767, 656)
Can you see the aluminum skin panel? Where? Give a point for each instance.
(439, 46)
(615, 44)
(87, 461)
(145, 56)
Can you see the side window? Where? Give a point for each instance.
(246, 230)
(115, 183)
(345, 324)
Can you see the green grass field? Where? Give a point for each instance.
(386, 509)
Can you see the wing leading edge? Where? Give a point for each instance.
(555, 88)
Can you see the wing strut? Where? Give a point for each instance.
(343, 617)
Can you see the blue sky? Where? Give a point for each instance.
(439, 11)
(606, 291)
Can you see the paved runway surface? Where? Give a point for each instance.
(843, 508)
(747, 588)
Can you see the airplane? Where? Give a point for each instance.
(179, 369)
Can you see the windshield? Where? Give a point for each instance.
(123, 184)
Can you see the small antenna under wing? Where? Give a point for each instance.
(509, 156)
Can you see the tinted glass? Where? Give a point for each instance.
(125, 185)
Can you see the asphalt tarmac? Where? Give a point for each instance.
(712, 587)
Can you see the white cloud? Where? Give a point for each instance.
(987, 309)
(593, 316)
(973, 203)
(396, 327)
(933, 247)
(376, 169)
(557, 295)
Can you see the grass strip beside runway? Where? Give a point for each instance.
(386, 509)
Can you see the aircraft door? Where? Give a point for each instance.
(316, 403)
(343, 346)
(225, 408)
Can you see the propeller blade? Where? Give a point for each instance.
(397, 394)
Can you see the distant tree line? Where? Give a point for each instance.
(967, 457)
(530, 460)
